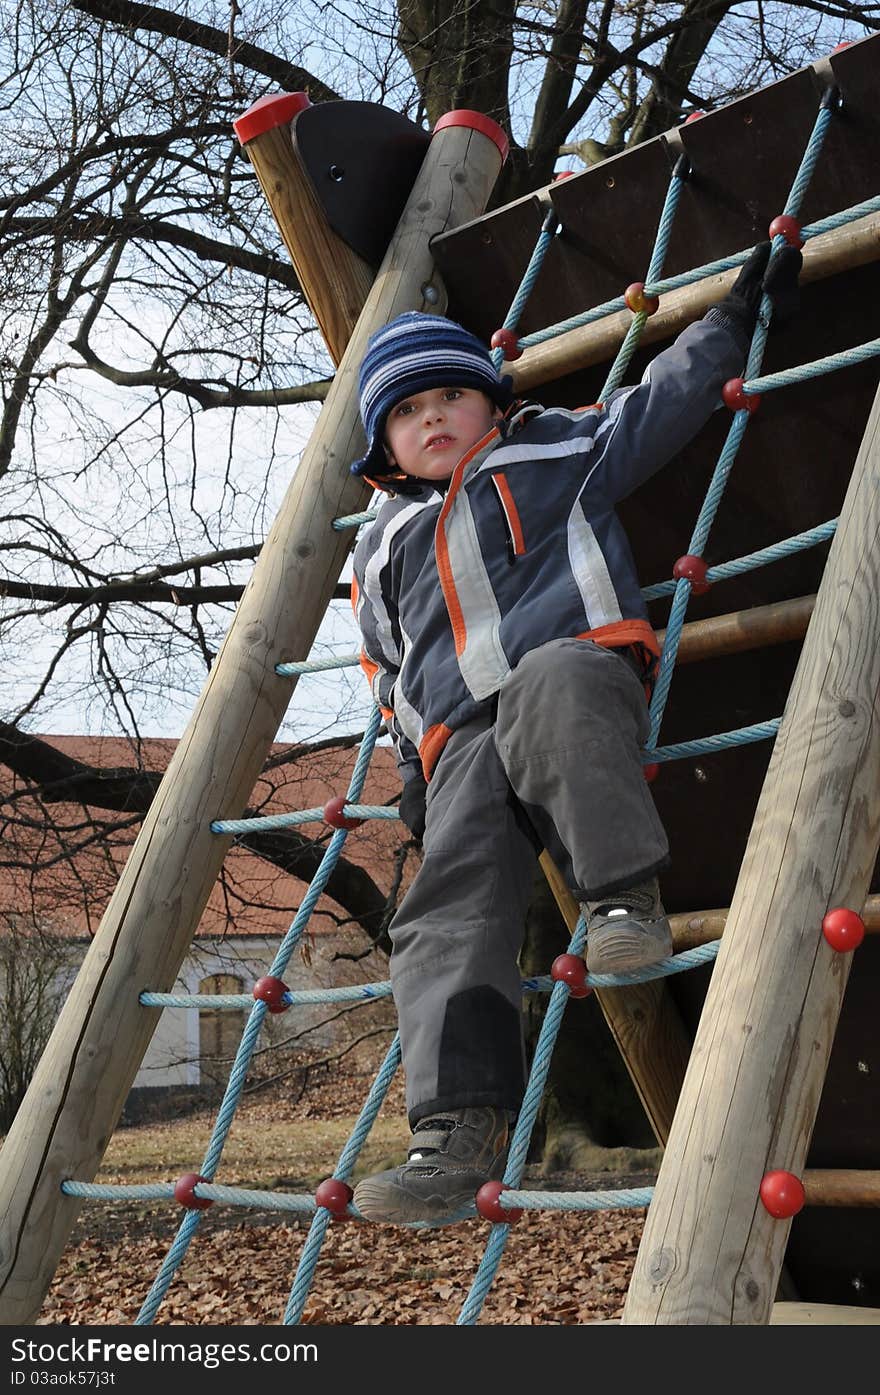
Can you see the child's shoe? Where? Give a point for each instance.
(627, 930)
(451, 1155)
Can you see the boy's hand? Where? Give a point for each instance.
(743, 301)
(782, 285)
(412, 805)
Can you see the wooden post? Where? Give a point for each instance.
(710, 1253)
(335, 280)
(645, 1024)
(86, 1071)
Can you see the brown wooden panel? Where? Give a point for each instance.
(744, 158)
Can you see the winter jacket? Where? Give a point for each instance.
(452, 588)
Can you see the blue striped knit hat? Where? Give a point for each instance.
(411, 354)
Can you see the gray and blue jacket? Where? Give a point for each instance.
(452, 588)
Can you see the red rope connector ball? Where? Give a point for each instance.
(651, 771)
(843, 929)
(638, 302)
(184, 1192)
(334, 816)
(507, 340)
(334, 1195)
(694, 570)
(782, 1194)
(694, 116)
(490, 1207)
(563, 174)
(784, 225)
(732, 396)
(571, 969)
(271, 991)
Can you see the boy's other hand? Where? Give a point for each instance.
(412, 805)
(780, 281)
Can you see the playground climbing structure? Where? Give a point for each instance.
(760, 1105)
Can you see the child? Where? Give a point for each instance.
(506, 640)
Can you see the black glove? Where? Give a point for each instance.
(412, 805)
(740, 306)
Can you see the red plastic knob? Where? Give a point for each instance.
(490, 1207)
(733, 397)
(563, 174)
(571, 969)
(694, 570)
(334, 1195)
(651, 771)
(334, 816)
(271, 991)
(784, 225)
(843, 929)
(847, 43)
(782, 1194)
(507, 340)
(638, 302)
(694, 116)
(184, 1192)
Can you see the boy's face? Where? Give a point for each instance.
(427, 434)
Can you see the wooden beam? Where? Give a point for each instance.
(762, 625)
(80, 1085)
(335, 280)
(829, 254)
(692, 928)
(838, 1186)
(645, 1024)
(822, 1315)
(710, 1253)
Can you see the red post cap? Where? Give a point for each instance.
(276, 109)
(782, 1194)
(476, 122)
(843, 929)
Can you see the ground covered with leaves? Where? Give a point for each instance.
(556, 1268)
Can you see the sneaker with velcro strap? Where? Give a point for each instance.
(627, 930)
(451, 1155)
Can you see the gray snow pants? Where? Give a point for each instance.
(559, 767)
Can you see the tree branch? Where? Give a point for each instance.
(138, 228)
(158, 21)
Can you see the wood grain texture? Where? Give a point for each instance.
(77, 1093)
(710, 1253)
(334, 279)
